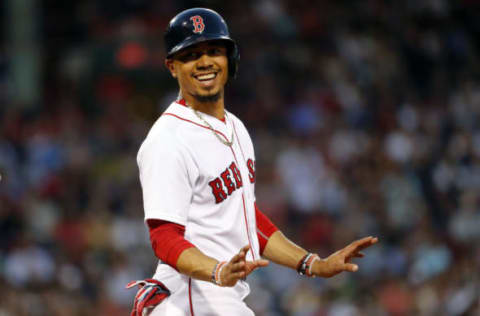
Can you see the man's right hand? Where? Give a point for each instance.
(239, 268)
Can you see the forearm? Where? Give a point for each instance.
(195, 264)
(281, 250)
(170, 246)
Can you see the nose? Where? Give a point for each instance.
(204, 61)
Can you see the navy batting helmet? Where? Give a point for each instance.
(198, 25)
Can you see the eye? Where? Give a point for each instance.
(216, 51)
(189, 56)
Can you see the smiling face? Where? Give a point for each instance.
(201, 71)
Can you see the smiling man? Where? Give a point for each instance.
(202, 72)
(197, 171)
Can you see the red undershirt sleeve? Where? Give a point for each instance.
(265, 228)
(167, 240)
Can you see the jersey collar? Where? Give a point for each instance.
(184, 112)
(184, 103)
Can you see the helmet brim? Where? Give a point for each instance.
(193, 40)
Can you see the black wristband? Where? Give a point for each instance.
(305, 265)
(302, 266)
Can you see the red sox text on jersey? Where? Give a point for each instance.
(230, 180)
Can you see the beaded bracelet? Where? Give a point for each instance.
(310, 265)
(304, 267)
(216, 273)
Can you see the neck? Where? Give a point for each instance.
(214, 108)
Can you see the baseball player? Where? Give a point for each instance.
(197, 171)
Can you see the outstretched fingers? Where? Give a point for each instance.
(341, 259)
(259, 263)
(353, 250)
(364, 242)
(246, 267)
(238, 266)
(234, 269)
(253, 265)
(349, 257)
(238, 262)
(240, 256)
(244, 250)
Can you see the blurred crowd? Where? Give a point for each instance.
(365, 117)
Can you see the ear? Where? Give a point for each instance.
(171, 67)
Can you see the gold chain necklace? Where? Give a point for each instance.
(223, 141)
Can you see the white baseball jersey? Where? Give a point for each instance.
(191, 178)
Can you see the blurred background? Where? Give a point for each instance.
(366, 120)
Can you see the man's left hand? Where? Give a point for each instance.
(341, 260)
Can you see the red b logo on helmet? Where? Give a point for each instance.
(198, 25)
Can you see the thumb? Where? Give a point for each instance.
(350, 267)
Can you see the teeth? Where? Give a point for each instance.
(206, 77)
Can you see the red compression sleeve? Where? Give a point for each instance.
(265, 228)
(167, 240)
